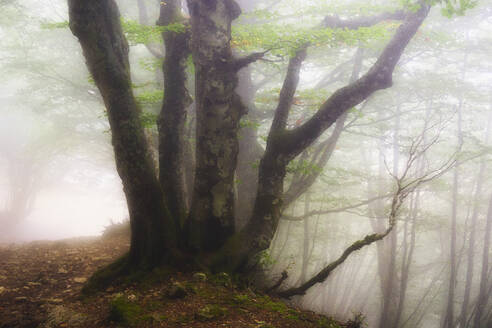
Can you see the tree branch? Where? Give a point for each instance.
(398, 199)
(364, 21)
(377, 78)
(288, 91)
(305, 181)
(279, 282)
(334, 210)
(323, 274)
(242, 62)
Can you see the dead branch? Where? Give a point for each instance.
(279, 282)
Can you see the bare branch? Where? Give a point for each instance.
(242, 62)
(335, 210)
(288, 91)
(282, 278)
(323, 274)
(364, 21)
(378, 77)
(324, 152)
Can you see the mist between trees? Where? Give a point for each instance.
(338, 151)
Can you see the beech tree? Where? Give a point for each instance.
(165, 230)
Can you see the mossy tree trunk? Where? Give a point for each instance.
(172, 119)
(218, 112)
(97, 25)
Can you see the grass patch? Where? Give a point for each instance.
(124, 312)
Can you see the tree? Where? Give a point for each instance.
(40, 131)
(163, 229)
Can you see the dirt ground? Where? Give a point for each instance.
(40, 284)
(35, 277)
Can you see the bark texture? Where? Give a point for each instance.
(172, 118)
(96, 23)
(218, 112)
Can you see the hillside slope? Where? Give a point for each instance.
(40, 286)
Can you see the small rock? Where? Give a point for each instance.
(200, 276)
(177, 291)
(80, 280)
(132, 297)
(2, 290)
(31, 283)
(21, 299)
(62, 270)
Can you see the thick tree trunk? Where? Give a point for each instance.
(218, 110)
(172, 118)
(96, 23)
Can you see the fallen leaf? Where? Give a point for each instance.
(80, 280)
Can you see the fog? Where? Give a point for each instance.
(57, 193)
(57, 174)
(430, 132)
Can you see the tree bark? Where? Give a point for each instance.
(97, 26)
(218, 110)
(172, 118)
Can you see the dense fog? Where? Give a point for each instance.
(425, 141)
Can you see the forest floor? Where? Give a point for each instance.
(40, 284)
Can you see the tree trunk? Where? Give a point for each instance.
(96, 23)
(389, 277)
(172, 119)
(471, 242)
(218, 110)
(449, 319)
(283, 145)
(250, 152)
(483, 295)
(306, 241)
